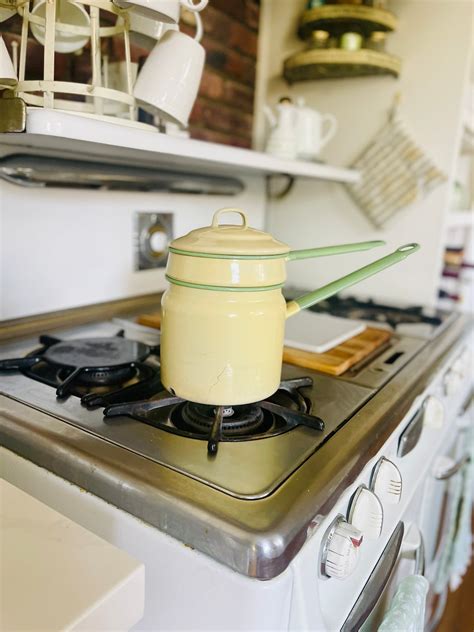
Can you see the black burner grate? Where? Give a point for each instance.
(101, 371)
(284, 410)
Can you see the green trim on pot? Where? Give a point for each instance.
(209, 255)
(223, 288)
(291, 255)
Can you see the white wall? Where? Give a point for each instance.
(63, 248)
(433, 40)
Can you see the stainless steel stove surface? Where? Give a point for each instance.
(250, 468)
(254, 504)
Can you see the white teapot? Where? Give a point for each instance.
(282, 140)
(310, 138)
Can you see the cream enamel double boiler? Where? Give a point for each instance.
(223, 316)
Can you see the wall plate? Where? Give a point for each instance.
(152, 235)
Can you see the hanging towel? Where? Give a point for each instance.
(462, 546)
(407, 610)
(456, 551)
(395, 172)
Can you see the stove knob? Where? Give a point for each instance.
(341, 549)
(434, 412)
(366, 513)
(386, 482)
(451, 383)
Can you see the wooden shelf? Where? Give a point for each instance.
(342, 18)
(333, 63)
(64, 135)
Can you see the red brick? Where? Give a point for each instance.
(243, 39)
(229, 62)
(212, 85)
(252, 14)
(211, 136)
(221, 118)
(238, 95)
(234, 8)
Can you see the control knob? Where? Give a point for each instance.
(340, 549)
(387, 482)
(366, 513)
(434, 412)
(451, 382)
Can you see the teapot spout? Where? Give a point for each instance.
(293, 307)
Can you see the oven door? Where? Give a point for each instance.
(402, 556)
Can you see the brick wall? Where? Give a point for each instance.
(223, 112)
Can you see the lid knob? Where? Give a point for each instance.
(217, 214)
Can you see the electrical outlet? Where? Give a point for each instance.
(152, 235)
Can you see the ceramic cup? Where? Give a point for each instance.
(145, 32)
(168, 82)
(162, 10)
(7, 73)
(68, 13)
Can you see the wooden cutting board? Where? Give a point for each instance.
(334, 361)
(337, 360)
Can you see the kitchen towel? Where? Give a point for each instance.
(462, 547)
(456, 552)
(407, 609)
(395, 172)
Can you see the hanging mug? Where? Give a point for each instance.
(168, 82)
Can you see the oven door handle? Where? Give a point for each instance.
(382, 572)
(453, 469)
(376, 583)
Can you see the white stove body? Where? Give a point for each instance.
(187, 590)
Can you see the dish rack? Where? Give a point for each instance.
(95, 99)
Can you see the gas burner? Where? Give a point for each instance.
(281, 412)
(100, 371)
(237, 421)
(351, 307)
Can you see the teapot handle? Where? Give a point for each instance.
(293, 307)
(331, 130)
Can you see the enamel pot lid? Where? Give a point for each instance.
(229, 240)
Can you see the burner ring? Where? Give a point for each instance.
(102, 377)
(246, 421)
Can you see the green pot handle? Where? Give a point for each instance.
(293, 307)
(325, 251)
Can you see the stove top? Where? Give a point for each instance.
(243, 451)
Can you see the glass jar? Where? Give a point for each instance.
(319, 39)
(376, 41)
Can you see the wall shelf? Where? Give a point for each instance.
(332, 63)
(345, 17)
(64, 135)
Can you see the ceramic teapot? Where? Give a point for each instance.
(223, 316)
(282, 138)
(310, 134)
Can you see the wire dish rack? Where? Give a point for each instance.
(66, 26)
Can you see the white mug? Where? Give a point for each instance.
(162, 10)
(7, 72)
(145, 32)
(68, 13)
(168, 82)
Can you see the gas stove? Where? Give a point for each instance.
(75, 375)
(284, 496)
